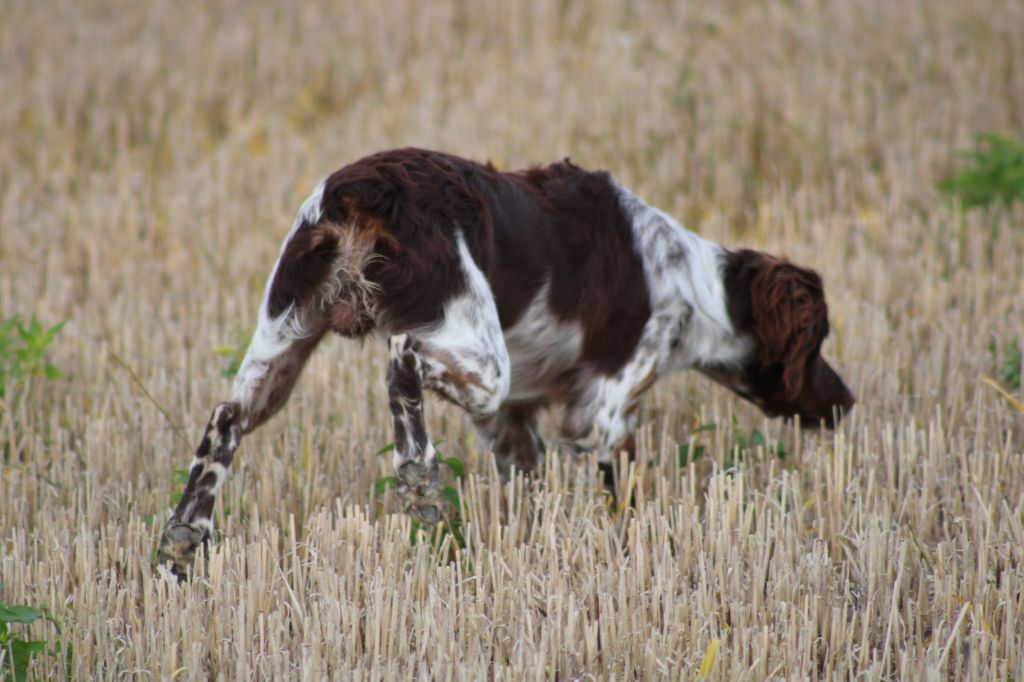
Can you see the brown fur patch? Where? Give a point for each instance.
(304, 265)
(514, 436)
(411, 201)
(790, 318)
(452, 377)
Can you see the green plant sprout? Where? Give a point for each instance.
(23, 351)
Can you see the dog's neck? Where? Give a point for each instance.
(686, 278)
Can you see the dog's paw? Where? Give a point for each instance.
(426, 512)
(178, 545)
(419, 491)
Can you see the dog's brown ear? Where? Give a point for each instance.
(790, 319)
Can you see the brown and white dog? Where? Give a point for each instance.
(505, 293)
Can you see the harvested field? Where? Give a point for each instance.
(152, 157)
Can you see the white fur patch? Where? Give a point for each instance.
(220, 472)
(400, 458)
(347, 284)
(685, 280)
(267, 361)
(470, 337)
(396, 344)
(204, 524)
(540, 348)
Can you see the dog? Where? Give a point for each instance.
(504, 293)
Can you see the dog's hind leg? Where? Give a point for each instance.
(292, 321)
(465, 360)
(263, 385)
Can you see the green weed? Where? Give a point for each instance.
(995, 175)
(744, 442)
(16, 654)
(688, 454)
(23, 351)
(1009, 370)
(234, 352)
(748, 442)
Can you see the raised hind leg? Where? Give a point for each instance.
(262, 387)
(292, 321)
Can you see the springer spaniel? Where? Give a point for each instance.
(505, 293)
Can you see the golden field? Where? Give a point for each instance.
(152, 157)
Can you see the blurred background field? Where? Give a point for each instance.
(152, 157)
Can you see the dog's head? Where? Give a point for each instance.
(781, 307)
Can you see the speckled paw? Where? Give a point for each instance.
(419, 491)
(178, 546)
